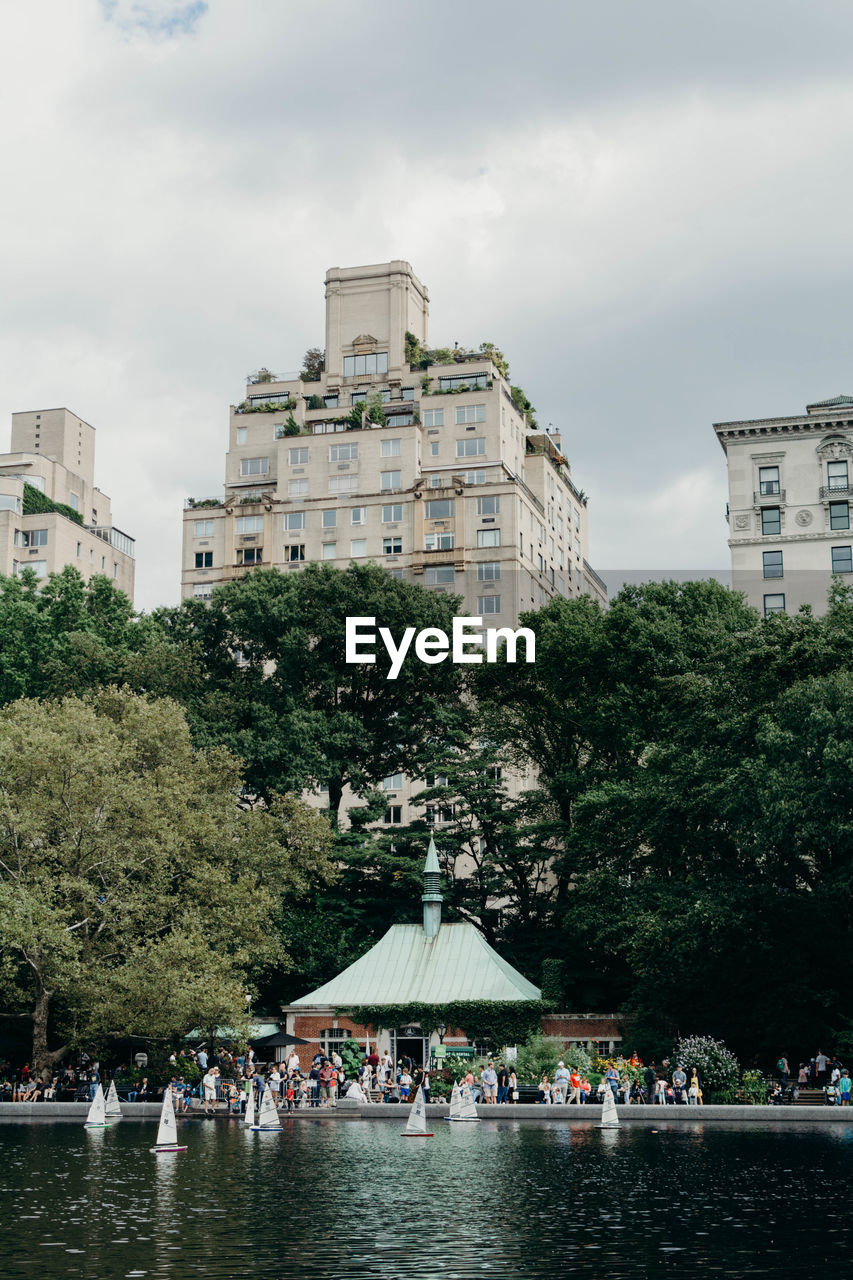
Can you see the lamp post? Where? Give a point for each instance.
(441, 1028)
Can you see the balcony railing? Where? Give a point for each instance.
(774, 499)
(836, 491)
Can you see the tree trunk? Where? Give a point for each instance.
(336, 795)
(42, 1057)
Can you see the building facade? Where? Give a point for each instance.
(51, 512)
(429, 469)
(789, 505)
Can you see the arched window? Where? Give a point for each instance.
(332, 1037)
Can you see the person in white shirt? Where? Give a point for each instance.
(208, 1088)
(293, 1062)
(274, 1082)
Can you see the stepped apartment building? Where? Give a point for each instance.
(790, 493)
(420, 461)
(51, 512)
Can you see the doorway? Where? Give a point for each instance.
(410, 1042)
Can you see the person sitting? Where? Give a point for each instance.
(544, 1090)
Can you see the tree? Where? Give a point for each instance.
(136, 897)
(313, 364)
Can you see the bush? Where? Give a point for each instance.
(352, 1056)
(754, 1087)
(718, 1067)
(542, 1053)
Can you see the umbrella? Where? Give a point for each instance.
(278, 1041)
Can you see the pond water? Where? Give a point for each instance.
(350, 1199)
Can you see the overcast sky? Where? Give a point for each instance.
(646, 206)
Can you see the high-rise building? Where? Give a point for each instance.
(51, 513)
(423, 461)
(789, 505)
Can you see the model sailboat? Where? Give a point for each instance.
(417, 1125)
(455, 1103)
(609, 1113)
(167, 1133)
(467, 1108)
(249, 1115)
(267, 1115)
(97, 1117)
(113, 1106)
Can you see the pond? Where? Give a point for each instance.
(350, 1199)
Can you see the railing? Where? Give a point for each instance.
(120, 541)
(836, 491)
(775, 499)
(199, 504)
(592, 574)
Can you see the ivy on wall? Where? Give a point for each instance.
(493, 1022)
(35, 502)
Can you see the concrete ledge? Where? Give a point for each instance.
(79, 1110)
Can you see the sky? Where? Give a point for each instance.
(646, 207)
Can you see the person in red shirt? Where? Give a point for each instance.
(575, 1083)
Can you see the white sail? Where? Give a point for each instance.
(167, 1133)
(455, 1103)
(113, 1106)
(267, 1115)
(609, 1113)
(249, 1115)
(467, 1108)
(97, 1116)
(417, 1114)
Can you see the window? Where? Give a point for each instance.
(358, 547)
(395, 573)
(488, 537)
(772, 564)
(248, 524)
(294, 520)
(294, 552)
(115, 569)
(32, 538)
(489, 506)
(475, 381)
(359, 397)
(393, 815)
(240, 435)
(439, 508)
(407, 393)
(488, 604)
(836, 475)
(393, 782)
(437, 813)
(343, 484)
(74, 501)
(433, 448)
(343, 452)
(375, 363)
(434, 418)
(435, 482)
(470, 413)
(392, 546)
(475, 477)
(391, 448)
(204, 559)
(330, 551)
(842, 559)
(254, 466)
(439, 541)
(439, 576)
(392, 513)
(399, 420)
(774, 604)
(471, 448)
(389, 480)
(250, 555)
(357, 515)
(771, 521)
(489, 571)
(9, 502)
(297, 457)
(79, 549)
(332, 1038)
(768, 480)
(330, 519)
(203, 528)
(331, 402)
(203, 590)
(297, 488)
(839, 515)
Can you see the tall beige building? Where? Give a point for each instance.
(51, 512)
(790, 491)
(451, 487)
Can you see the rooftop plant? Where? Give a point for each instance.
(35, 501)
(313, 364)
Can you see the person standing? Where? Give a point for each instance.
(503, 1083)
(561, 1082)
(201, 1059)
(575, 1085)
(489, 1082)
(784, 1071)
(612, 1077)
(821, 1061)
(208, 1090)
(679, 1084)
(513, 1086)
(650, 1079)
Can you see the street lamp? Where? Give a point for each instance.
(441, 1028)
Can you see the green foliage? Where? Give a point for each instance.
(290, 426)
(484, 1022)
(34, 502)
(497, 358)
(267, 406)
(314, 402)
(313, 364)
(352, 1056)
(717, 1066)
(541, 1053)
(524, 407)
(195, 504)
(754, 1086)
(553, 982)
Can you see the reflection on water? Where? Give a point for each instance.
(348, 1198)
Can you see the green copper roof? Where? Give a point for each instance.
(431, 863)
(828, 404)
(407, 967)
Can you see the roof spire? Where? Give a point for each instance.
(432, 896)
